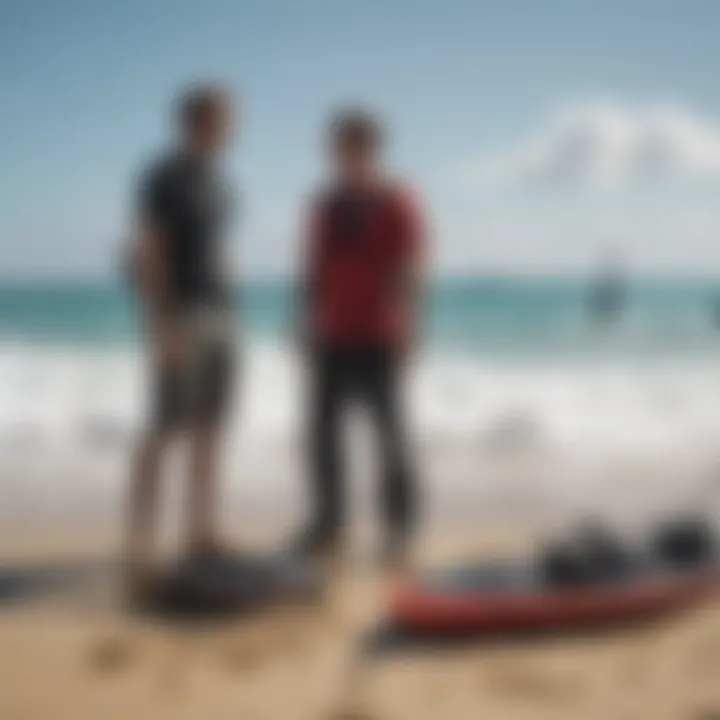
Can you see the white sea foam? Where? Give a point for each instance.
(82, 410)
(63, 396)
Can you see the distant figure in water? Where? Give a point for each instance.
(607, 294)
(715, 311)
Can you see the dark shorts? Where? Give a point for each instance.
(199, 393)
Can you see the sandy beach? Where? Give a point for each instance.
(79, 655)
(489, 488)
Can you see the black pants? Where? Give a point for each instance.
(368, 375)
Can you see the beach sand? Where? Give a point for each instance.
(79, 656)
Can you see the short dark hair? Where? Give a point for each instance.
(198, 102)
(356, 127)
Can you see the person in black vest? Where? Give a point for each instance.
(178, 270)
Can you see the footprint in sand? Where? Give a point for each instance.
(293, 641)
(244, 655)
(242, 658)
(111, 655)
(526, 684)
(352, 715)
(707, 714)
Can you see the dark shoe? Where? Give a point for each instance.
(212, 553)
(139, 583)
(316, 541)
(395, 551)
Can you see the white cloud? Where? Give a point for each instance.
(608, 144)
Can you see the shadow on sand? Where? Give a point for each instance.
(24, 582)
(387, 640)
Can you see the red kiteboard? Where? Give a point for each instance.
(497, 598)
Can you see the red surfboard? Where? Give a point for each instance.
(498, 598)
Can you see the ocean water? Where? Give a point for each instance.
(486, 316)
(501, 357)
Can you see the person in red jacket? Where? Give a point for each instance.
(359, 321)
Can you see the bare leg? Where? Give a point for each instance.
(142, 519)
(202, 496)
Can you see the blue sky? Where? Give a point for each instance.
(471, 90)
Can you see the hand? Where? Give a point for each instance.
(406, 348)
(168, 342)
(302, 337)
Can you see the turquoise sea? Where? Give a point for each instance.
(522, 317)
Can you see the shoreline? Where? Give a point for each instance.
(465, 484)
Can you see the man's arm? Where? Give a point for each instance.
(414, 278)
(419, 285)
(150, 252)
(306, 286)
(151, 265)
(150, 268)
